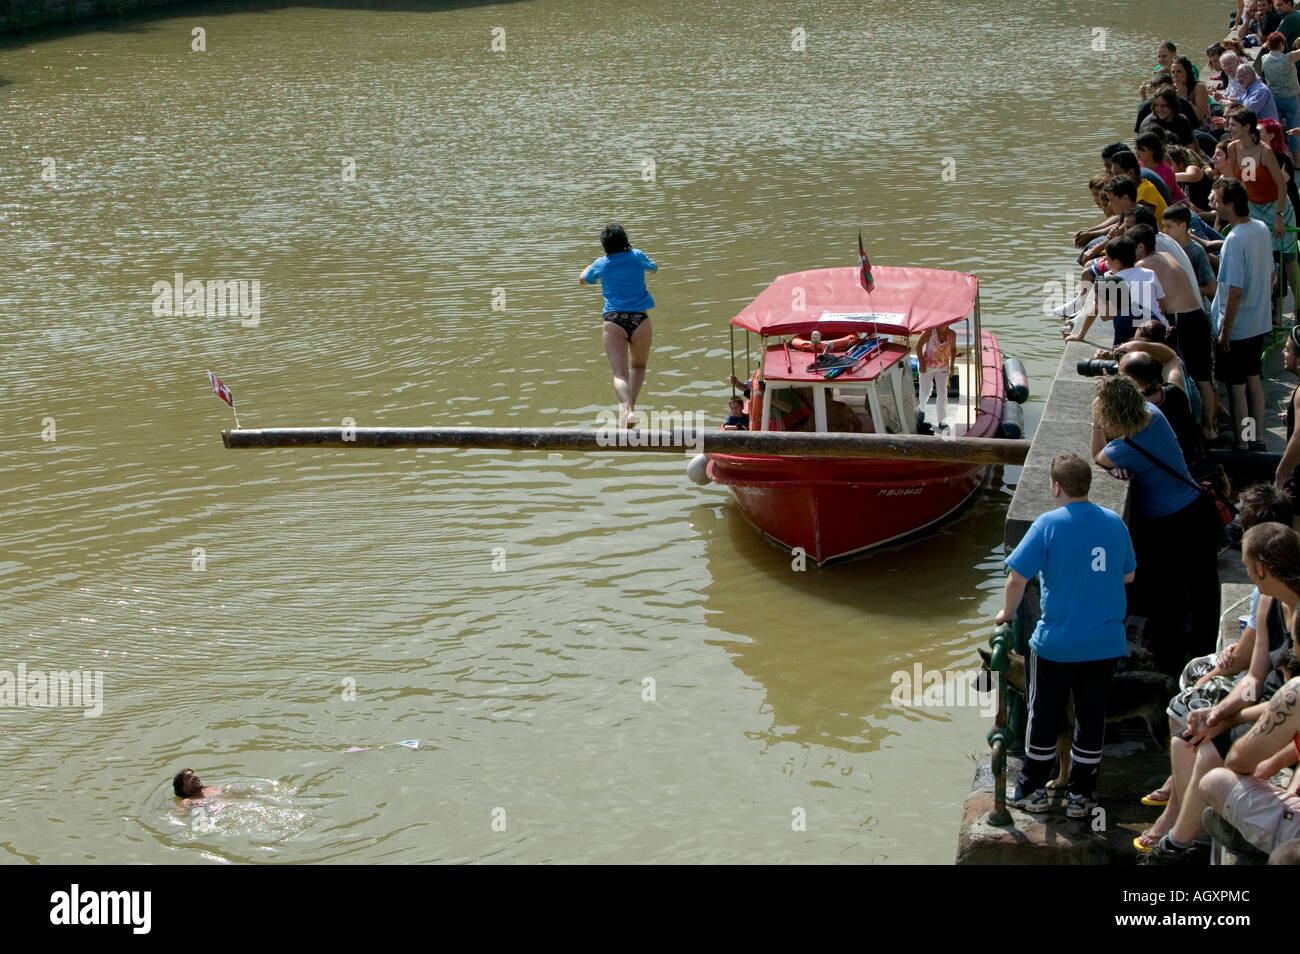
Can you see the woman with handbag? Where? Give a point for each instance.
(1174, 523)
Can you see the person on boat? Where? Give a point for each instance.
(1086, 558)
(189, 787)
(627, 332)
(1175, 526)
(737, 419)
(792, 409)
(936, 358)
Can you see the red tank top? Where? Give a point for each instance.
(1260, 188)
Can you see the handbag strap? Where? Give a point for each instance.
(1159, 463)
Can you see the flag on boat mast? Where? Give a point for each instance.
(864, 263)
(223, 392)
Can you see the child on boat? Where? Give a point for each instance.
(737, 420)
(621, 272)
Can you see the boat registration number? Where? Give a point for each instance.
(899, 491)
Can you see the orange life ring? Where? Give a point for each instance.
(839, 344)
(756, 400)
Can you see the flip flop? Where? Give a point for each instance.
(1140, 842)
(1155, 800)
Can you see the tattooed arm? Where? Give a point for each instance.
(1275, 728)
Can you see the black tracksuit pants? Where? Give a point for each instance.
(1050, 685)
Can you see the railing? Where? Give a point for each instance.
(1000, 736)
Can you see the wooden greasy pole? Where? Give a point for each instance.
(972, 450)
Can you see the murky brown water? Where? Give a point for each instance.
(476, 171)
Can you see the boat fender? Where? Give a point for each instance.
(1016, 381)
(1013, 421)
(698, 470)
(756, 400)
(839, 344)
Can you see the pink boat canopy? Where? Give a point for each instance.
(830, 300)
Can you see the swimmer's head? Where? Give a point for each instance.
(614, 240)
(186, 784)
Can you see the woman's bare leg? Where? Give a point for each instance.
(616, 350)
(639, 347)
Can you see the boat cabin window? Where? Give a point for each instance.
(886, 405)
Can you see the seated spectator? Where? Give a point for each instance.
(1139, 298)
(1189, 87)
(1147, 193)
(1162, 80)
(1214, 73)
(1167, 113)
(1226, 682)
(737, 419)
(1238, 789)
(1150, 152)
(1254, 95)
(1174, 524)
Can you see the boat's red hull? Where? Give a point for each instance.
(834, 508)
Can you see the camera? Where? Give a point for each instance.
(1096, 367)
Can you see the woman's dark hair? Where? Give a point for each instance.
(1214, 49)
(614, 240)
(1154, 143)
(1193, 75)
(177, 783)
(1250, 119)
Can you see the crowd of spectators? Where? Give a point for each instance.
(1190, 267)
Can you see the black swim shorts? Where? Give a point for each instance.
(629, 321)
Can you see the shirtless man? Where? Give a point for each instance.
(1180, 294)
(189, 788)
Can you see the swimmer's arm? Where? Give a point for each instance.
(591, 272)
(646, 261)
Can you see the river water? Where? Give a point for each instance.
(387, 177)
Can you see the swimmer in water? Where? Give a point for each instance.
(190, 788)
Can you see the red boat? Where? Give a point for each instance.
(835, 508)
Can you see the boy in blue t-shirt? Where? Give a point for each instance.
(1084, 555)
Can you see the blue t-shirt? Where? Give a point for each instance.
(622, 280)
(1158, 493)
(1083, 553)
(1246, 262)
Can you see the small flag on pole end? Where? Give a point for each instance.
(864, 264)
(220, 390)
(223, 392)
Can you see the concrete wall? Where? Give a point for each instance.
(17, 16)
